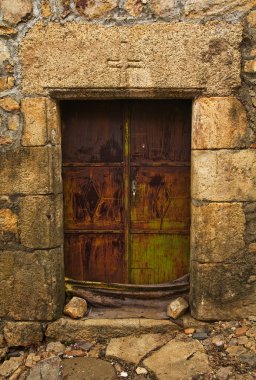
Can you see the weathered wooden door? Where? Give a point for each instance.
(126, 173)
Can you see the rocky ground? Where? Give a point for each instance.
(220, 350)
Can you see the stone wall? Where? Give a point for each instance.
(203, 49)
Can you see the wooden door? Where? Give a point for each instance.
(160, 200)
(93, 172)
(126, 173)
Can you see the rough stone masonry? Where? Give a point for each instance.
(199, 49)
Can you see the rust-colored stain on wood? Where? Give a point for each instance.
(93, 198)
(126, 172)
(161, 201)
(92, 132)
(95, 257)
(160, 131)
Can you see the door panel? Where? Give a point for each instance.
(92, 131)
(158, 258)
(94, 257)
(162, 200)
(158, 131)
(93, 198)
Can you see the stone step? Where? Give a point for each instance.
(68, 330)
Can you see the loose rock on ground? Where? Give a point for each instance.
(76, 308)
(177, 308)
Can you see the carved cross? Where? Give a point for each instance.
(124, 63)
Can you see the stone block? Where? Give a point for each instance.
(217, 233)
(8, 223)
(40, 221)
(68, 330)
(22, 333)
(9, 104)
(13, 122)
(34, 113)
(56, 159)
(252, 248)
(251, 18)
(35, 170)
(224, 175)
(250, 66)
(16, 11)
(250, 216)
(95, 9)
(53, 122)
(63, 7)
(46, 10)
(56, 347)
(4, 52)
(163, 8)
(210, 61)
(221, 291)
(6, 83)
(9, 367)
(179, 360)
(252, 53)
(6, 31)
(133, 348)
(133, 7)
(2, 342)
(202, 8)
(5, 140)
(3, 352)
(5, 202)
(32, 285)
(49, 369)
(88, 368)
(219, 123)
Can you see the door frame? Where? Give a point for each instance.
(121, 94)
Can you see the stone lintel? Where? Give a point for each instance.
(134, 56)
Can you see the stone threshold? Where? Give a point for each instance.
(68, 330)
